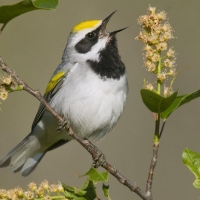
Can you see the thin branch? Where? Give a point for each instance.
(163, 126)
(91, 148)
(154, 158)
(25, 87)
(151, 171)
(157, 128)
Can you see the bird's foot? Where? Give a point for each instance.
(99, 159)
(62, 125)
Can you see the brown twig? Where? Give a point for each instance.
(91, 148)
(151, 171)
(154, 158)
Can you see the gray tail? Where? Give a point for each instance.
(31, 163)
(18, 159)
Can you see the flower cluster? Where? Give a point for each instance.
(43, 191)
(4, 81)
(7, 85)
(158, 58)
(3, 93)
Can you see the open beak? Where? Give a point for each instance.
(103, 31)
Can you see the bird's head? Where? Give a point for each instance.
(90, 42)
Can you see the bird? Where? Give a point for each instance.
(89, 89)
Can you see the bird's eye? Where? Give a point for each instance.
(91, 35)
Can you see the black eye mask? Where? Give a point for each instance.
(90, 39)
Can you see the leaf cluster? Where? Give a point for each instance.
(88, 190)
(9, 12)
(165, 106)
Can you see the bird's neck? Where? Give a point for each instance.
(109, 64)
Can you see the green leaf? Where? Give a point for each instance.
(174, 106)
(74, 193)
(192, 160)
(190, 97)
(95, 175)
(106, 191)
(179, 101)
(90, 190)
(46, 4)
(9, 12)
(155, 102)
(87, 192)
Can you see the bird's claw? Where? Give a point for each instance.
(99, 160)
(61, 125)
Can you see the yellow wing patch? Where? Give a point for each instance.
(86, 24)
(53, 82)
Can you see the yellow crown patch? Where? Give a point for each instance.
(86, 24)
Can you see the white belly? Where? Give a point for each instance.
(91, 104)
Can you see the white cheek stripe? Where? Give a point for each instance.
(93, 54)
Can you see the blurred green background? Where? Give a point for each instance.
(32, 45)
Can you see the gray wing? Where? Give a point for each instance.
(47, 97)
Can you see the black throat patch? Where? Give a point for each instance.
(110, 64)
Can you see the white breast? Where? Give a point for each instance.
(92, 105)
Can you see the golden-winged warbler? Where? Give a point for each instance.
(88, 88)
